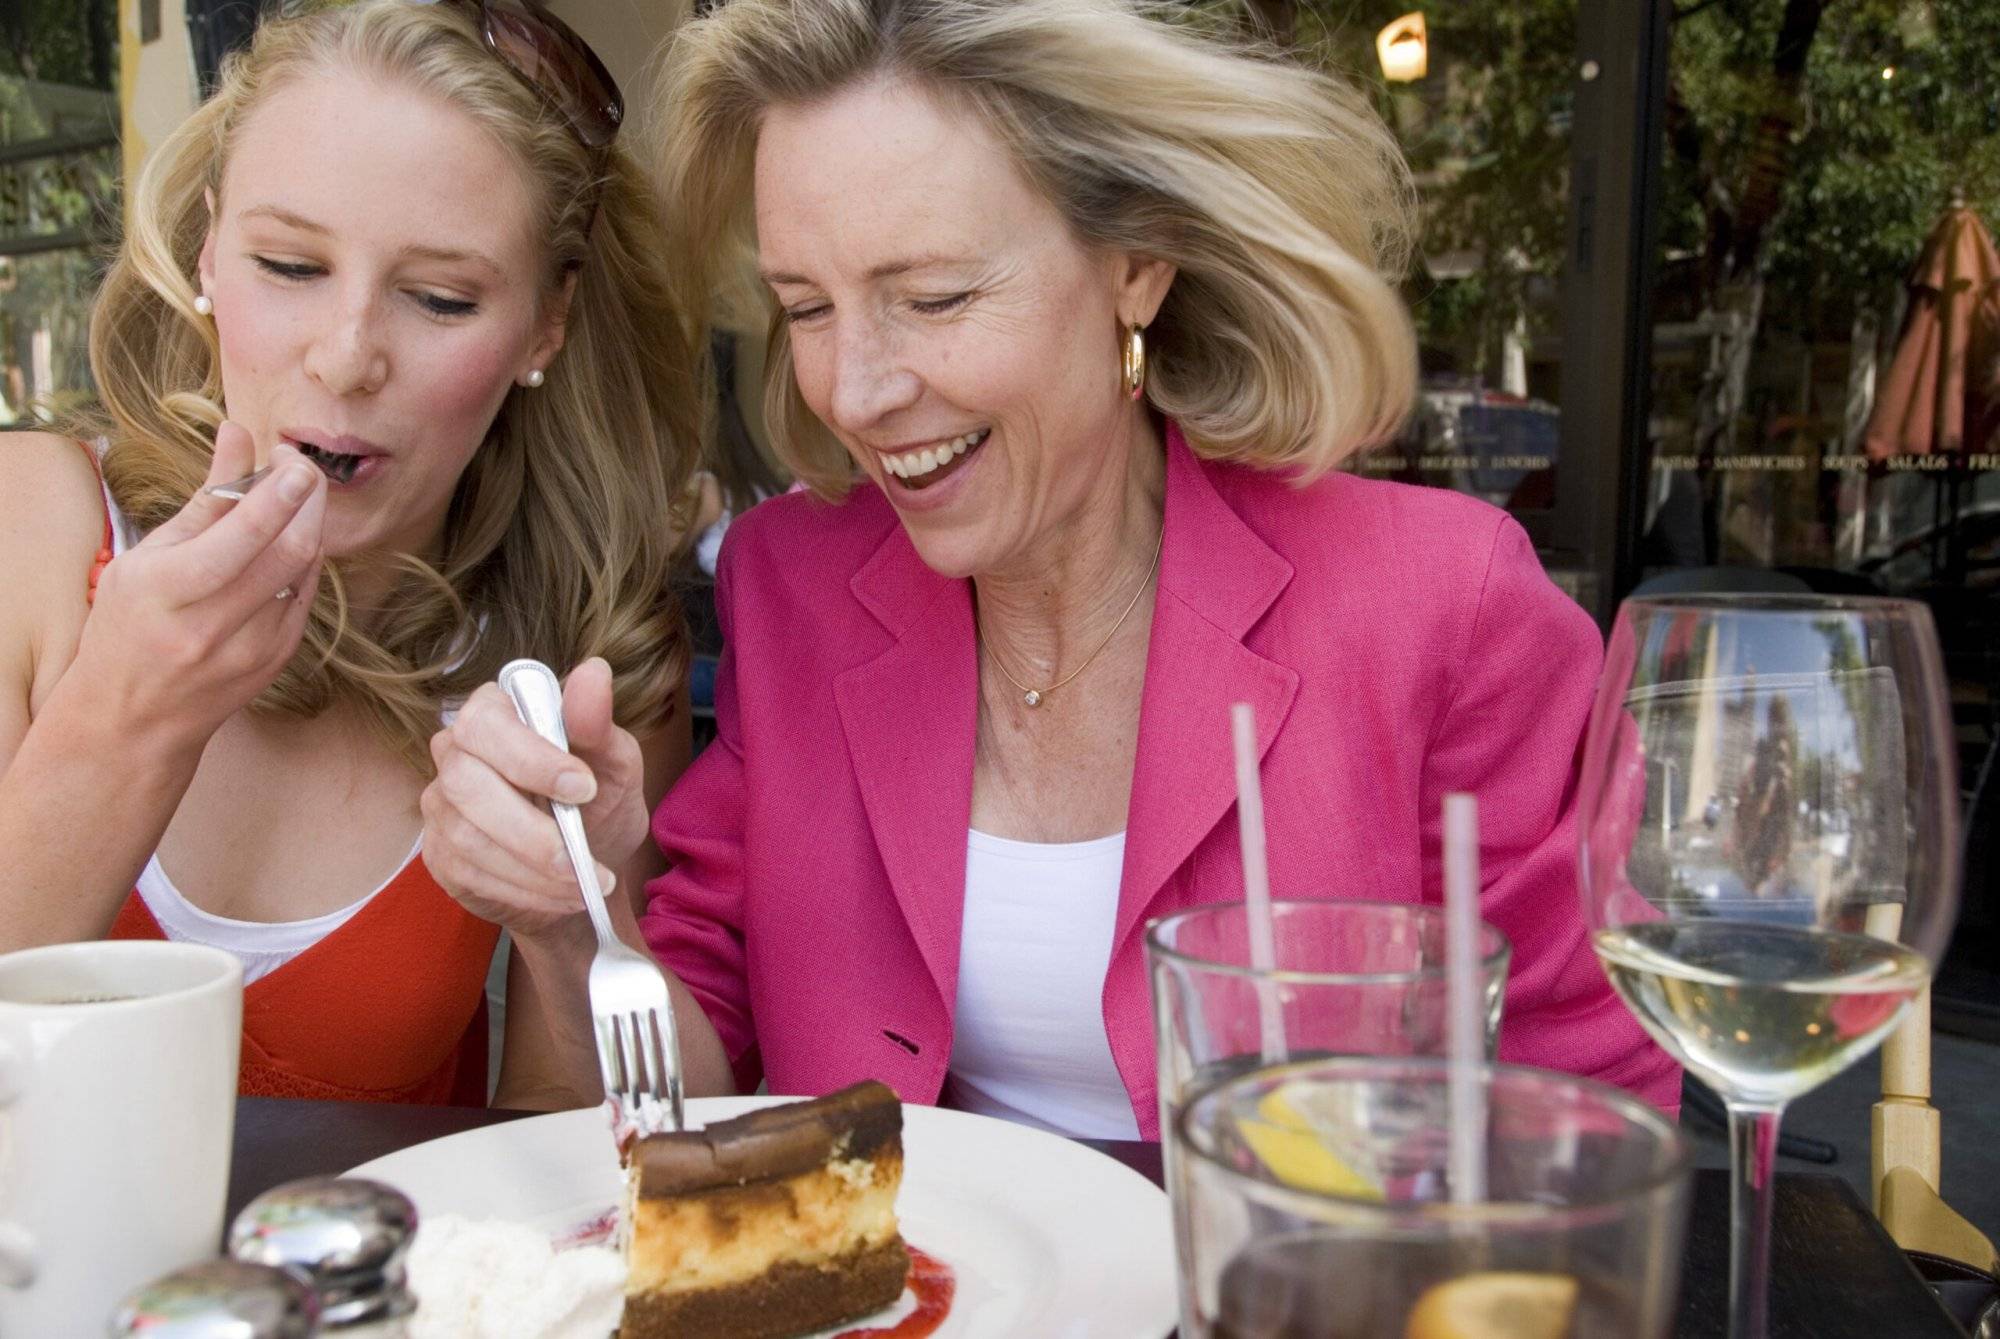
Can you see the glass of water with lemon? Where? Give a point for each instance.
(1344, 978)
(1313, 1201)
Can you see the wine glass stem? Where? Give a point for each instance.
(1753, 1158)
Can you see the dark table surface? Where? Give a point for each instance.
(1836, 1274)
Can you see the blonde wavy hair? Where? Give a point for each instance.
(1275, 190)
(562, 537)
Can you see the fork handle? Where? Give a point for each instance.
(537, 696)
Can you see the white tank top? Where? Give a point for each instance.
(262, 946)
(1028, 1041)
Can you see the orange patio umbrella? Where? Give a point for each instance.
(1942, 392)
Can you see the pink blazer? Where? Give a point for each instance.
(1397, 643)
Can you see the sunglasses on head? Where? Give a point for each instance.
(548, 57)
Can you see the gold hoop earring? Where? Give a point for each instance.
(1134, 381)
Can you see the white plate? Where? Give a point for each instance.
(1046, 1237)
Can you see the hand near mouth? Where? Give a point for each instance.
(198, 618)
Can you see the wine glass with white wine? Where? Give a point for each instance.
(1769, 853)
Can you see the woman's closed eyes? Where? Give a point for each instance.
(433, 304)
(927, 306)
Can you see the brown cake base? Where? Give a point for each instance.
(788, 1299)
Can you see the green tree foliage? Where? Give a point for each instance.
(1872, 160)
(58, 68)
(1487, 135)
(60, 42)
(1856, 167)
(1885, 155)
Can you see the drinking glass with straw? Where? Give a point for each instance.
(1579, 1235)
(1236, 985)
(1572, 1232)
(1242, 985)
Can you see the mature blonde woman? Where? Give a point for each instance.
(384, 250)
(1076, 311)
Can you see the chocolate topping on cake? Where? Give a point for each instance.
(773, 1143)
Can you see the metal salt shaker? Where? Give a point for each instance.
(348, 1237)
(220, 1299)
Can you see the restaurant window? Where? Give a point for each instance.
(1825, 167)
(1480, 97)
(1825, 337)
(1518, 120)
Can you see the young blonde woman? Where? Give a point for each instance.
(1076, 309)
(408, 270)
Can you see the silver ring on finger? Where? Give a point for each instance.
(284, 593)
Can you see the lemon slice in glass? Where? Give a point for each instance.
(1496, 1306)
(1284, 1140)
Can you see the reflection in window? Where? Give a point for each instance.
(1486, 128)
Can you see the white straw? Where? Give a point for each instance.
(1257, 884)
(1465, 1093)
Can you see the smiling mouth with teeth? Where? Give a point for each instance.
(921, 469)
(336, 465)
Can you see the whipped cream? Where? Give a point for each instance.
(489, 1279)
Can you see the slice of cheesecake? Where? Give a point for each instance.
(775, 1224)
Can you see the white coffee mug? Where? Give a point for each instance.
(117, 1104)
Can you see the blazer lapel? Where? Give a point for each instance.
(910, 716)
(1217, 579)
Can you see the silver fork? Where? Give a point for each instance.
(340, 471)
(637, 1049)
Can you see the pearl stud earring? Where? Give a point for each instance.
(204, 305)
(535, 377)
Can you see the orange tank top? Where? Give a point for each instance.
(389, 1007)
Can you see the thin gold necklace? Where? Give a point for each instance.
(1033, 696)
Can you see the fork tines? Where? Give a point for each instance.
(633, 1055)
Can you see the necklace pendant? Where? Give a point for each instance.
(1032, 698)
